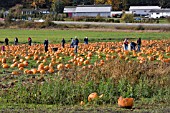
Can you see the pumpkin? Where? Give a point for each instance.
(3, 60)
(15, 73)
(125, 102)
(82, 103)
(92, 96)
(5, 65)
(20, 65)
(46, 67)
(86, 62)
(60, 66)
(27, 57)
(51, 70)
(68, 66)
(34, 71)
(21, 60)
(42, 71)
(29, 72)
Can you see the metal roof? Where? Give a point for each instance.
(69, 9)
(160, 10)
(93, 9)
(35, 10)
(88, 8)
(144, 7)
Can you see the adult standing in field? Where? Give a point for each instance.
(126, 42)
(133, 46)
(46, 45)
(76, 42)
(63, 42)
(85, 40)
(139, 44)
(6, 41)
(16, 41)
(29, 41)
(72, 43)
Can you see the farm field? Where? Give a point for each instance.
(55, 36)
(32, 80)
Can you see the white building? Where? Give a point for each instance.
(89, 10)
(119, 13)
(143, 10)
(69, 10)
(159, 13)
(35, 11)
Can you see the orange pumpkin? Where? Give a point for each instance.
(60, 66)
(34, 71)
(42, 71)
(51, 70)
(92, 96)
(86, 62)
(125, 102)
(5, 66)
(3, 60)
(20, 65)
(82, 103)
(68, 66)
(15, 73)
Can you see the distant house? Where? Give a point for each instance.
(35, 11)
(159, 13)
(143, 10)
(89, 10)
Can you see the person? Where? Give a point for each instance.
(6, 41)
(63, 42)
(139, 44)
(85, 40)
(133, 46)
(126, 42)
(3, 48)
(46, 45)
(29, 41)
(15, 41)
(76, 42)
(72, 43)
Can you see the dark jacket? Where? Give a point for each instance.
(139, 42)
(76, 41)
(46, 43)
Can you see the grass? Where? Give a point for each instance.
(55, 36)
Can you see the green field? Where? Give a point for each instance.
(55, 36)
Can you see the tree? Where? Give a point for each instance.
(16, 10)
(116, 4)
(58, 5)
(127, 18)
(100, 1)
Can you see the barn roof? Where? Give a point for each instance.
(144, 7)
(88, 8)
(94, 8)
(69, 9)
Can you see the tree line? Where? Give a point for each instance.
(58, 5)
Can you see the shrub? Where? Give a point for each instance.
(78, 18)
(140, 27)
(168, 19)
(128, 18)
(117, 21)
(110, 20)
